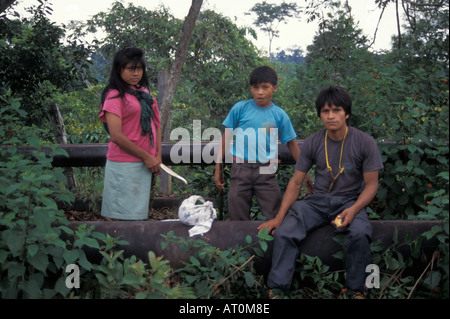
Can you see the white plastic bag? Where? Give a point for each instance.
(194, 211)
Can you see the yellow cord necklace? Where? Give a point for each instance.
(341, 169)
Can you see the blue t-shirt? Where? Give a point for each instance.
(257, 130)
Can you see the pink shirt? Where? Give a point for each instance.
(129, 110)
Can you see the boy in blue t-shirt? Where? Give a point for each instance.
(256, 126)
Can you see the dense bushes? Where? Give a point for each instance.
(35, 249)
(34, 255)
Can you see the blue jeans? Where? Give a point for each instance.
(304, 216)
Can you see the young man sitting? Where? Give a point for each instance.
(346, 180)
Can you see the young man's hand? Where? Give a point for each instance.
(309, 185)
(271, 225)
(345, 217)
(218, 177)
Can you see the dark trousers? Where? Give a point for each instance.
(247, 181)
(305, 216)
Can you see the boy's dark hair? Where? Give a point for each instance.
(334, 95)
(121, 59)
(263, 74)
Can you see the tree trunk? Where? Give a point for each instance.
(177, 66)
(398, 26)
(165, 180)
(59, 131)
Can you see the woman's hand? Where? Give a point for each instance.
(153, 164)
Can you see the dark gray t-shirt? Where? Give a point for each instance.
(360, 155)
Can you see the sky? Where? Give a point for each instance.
(295, 34)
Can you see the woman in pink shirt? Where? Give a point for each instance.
(134, 151)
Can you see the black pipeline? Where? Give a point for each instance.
(145, 236)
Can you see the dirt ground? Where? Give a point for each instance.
(155, 214)
(162, 208)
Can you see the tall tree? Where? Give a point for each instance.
(180, 58)
(154, 31)
(338, 43)
(34, 63)
(5, 4)
(216, 69)
(269, 16)
(220, 60)
(411, 8)
(157, 33)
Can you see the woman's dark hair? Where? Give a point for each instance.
(334, 95)
(121, 59)
(263, 74)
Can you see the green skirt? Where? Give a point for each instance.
(126, 193)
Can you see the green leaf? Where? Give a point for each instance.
(152, 259)
(258, 252)
(39, 261)
(3, 255)
(60, 152)
(194, 261)
(91, 242)
(10, 189)
(102, 280)
(132, 280)
(83, 262)
(395, 236)
(264, 235)
(42, 220)
(433, 279)
(117, 255)
(33, 141)
(377, 246)
(419, 171)
(14, 241)
(403, 199)
(249, 279)
(67, 230)
(263, 245)
(391, 262)
(60, 286)
(59, 243)
(32, 289)
(32, 249)
(339, 255)
(142, 295)
(190, 279)
(70, 256)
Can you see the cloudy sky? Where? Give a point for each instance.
(293, 34)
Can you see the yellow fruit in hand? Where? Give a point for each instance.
(338, 222)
